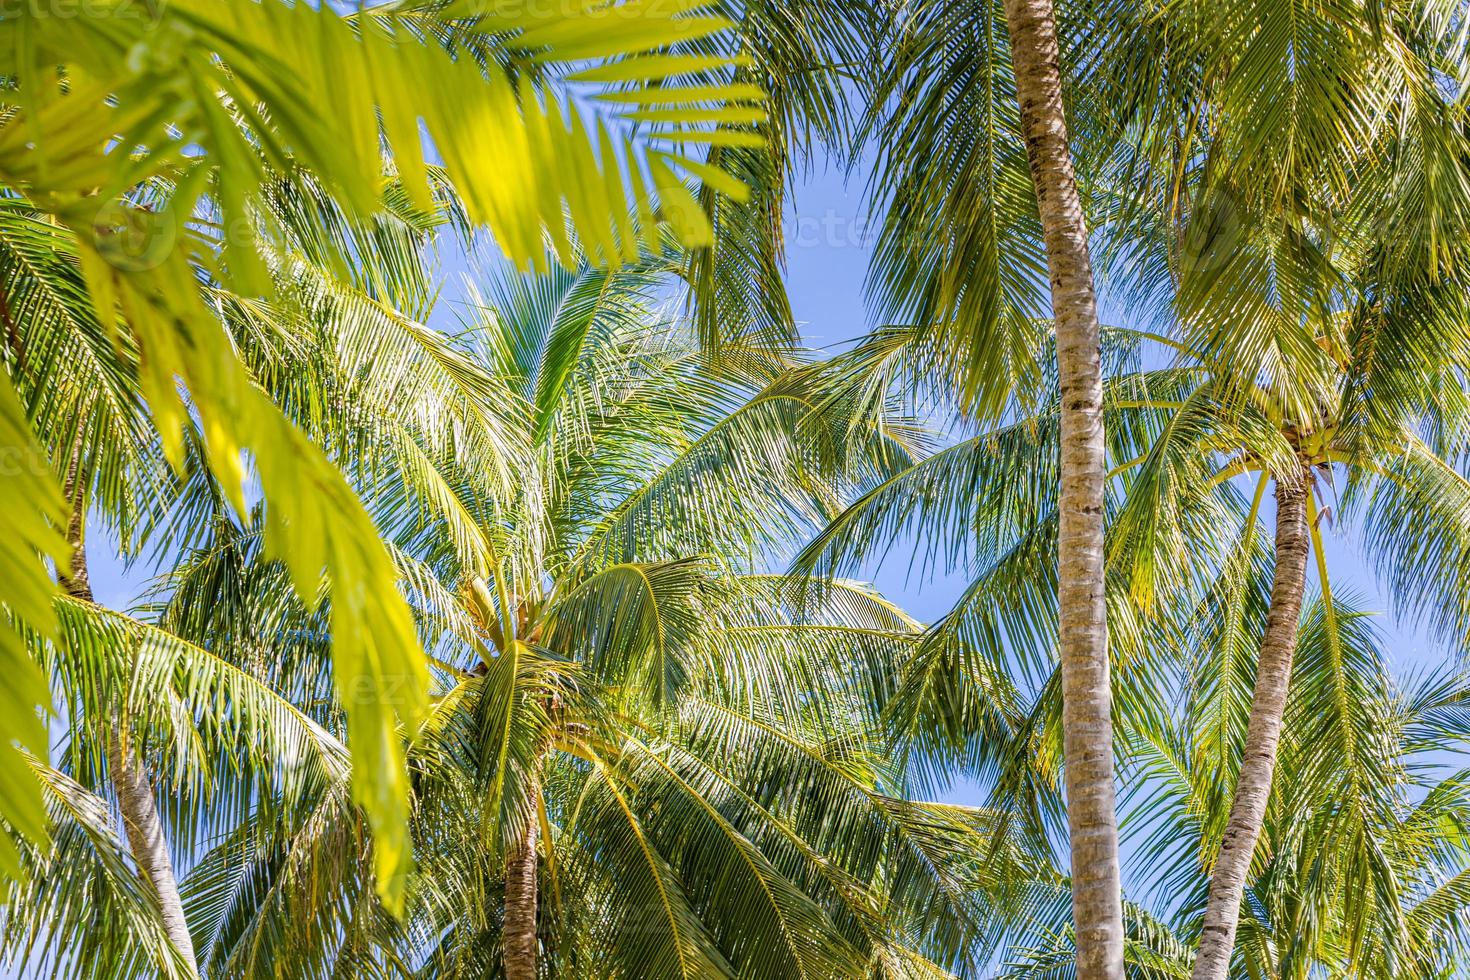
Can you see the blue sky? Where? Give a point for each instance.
(827, 251)
(828, 244)
(828, 241)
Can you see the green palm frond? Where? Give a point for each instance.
(83, 911)
(1151, 950)
(31, 536)
(156, 148)
(960, 240)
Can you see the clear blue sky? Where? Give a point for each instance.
(828, 243)
(827, 251)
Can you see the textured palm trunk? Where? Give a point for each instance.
(1087, 726)
(1262, 734)
(519, 937)
(141, 821)
(148, 843)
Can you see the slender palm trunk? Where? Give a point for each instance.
(519, 936)
(148, 843)
(1262, 734)
(135, 798)
(1087, 725)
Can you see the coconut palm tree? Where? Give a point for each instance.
(81, 392)
(203, 738)
(982, 207)
(152, 134)
(1366, 860)
(1316, 266)
(1392, 474)
(646, 757)
(128, 690)
(1225, 183)
(1087, 726)
(1183, 438)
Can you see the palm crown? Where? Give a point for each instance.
(679, 746)
(632, 750)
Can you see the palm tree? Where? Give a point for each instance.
(152, 136)
(967, 95)
(1392, 468)
(80, 391)
(87, 422)
(1227, 184)
(1366, 863)
(1087, 724)
(131, 785)
(985, 696)
(1181, 437)
(1304, 248)
(646, 757)
(202, 735)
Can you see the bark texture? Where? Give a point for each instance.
(1262, 734)
(148, 843)
(141, 821)
(519, 937)
(1097, 906)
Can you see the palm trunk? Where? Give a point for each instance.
(135, 799)
(519, 935)
(1262, 734)
(148, 843)
(1087, 725)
